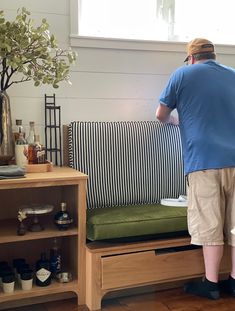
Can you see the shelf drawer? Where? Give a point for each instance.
(150, 266)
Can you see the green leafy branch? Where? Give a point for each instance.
(31, 53)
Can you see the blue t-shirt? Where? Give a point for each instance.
(204, 96)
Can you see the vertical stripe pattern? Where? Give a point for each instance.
(131, 162)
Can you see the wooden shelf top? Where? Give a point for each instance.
(8, 232)
(58, 176)
(37, 291)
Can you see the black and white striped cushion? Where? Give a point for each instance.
(135, 162)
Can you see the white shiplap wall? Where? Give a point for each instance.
(108, 84)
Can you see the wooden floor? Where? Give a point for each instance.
(173, 300)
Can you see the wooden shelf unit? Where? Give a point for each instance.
(63, 184)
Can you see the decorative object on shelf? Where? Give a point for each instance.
(4, 270)
(64, 277)
(6, 137)
(8, 282)
(39, 168)
(20, 269)
(21, 230)
(35, 210)
(62, 218)
(27, 53)
(53, 135)
(26, 278)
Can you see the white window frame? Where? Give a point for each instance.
(127, 44)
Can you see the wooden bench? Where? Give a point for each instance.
(130, 164)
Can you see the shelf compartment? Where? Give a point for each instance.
(8, 232)
(36, 291)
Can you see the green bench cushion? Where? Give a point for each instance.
(135, 220)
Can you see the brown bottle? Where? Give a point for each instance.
(31, 143)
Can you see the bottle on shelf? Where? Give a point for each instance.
(62, 218)
(31, 142)
(30, 138)
(43, 273)
(55, 258)
(36, 152)
(17, 129)
(39, 153)
(21, 151)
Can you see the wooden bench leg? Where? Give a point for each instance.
(94, 293)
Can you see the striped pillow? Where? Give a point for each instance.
(133, 162)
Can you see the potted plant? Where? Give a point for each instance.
(27, 53)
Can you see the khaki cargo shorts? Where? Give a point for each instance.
(211, 206)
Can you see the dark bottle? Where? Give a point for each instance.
(43, 273)
(55, 258)
(62, 219)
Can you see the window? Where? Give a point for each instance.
(158, 20)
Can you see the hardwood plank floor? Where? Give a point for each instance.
(167, 300)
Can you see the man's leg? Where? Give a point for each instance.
(228, 286)
(232, 275)
(233, 262)
(208, 287)
(205, 223)
(212, 258)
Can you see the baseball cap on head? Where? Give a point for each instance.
(199, 45)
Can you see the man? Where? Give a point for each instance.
(204, 95)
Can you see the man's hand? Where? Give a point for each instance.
(173, 120)
(163, 114)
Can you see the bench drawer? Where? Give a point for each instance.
(150, 266)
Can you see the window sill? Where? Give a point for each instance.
(125, 44)
(141, 45)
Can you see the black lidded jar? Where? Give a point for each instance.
(62, 218)
(26, 274)
(43, 273)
